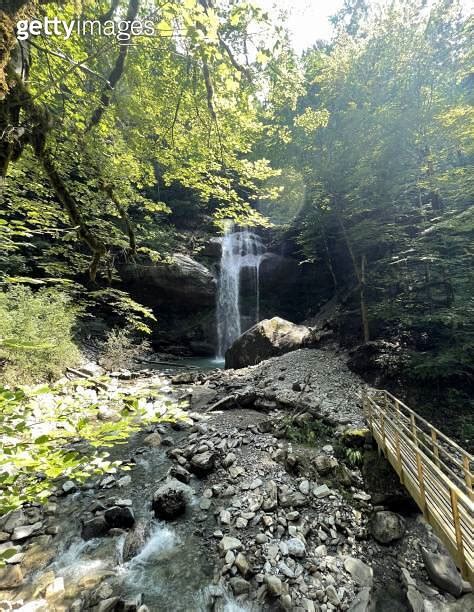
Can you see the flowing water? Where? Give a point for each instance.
(170, 566)
(241, 250)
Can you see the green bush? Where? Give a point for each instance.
(36, 334)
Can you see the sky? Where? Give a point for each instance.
(308, 19)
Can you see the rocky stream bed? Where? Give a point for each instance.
(268, 496)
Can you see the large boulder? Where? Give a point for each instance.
(386, 526)
(182, 278)
(442, 572)
(170, 500)
(266, 339)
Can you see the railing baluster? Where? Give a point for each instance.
(467, 476)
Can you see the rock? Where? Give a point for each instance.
(11, 577)
(183, 279)
(120, 516)
(321, 491)
(25, 531)
(442, 572)
(69, 487)
(180, 473)
(270, 500)
(225, 517)
(242, 564)
(55, 589)
(386, 526)
(304, 487)
(153, 440)
(229, 459)
(324, 464)
(293, 499)
(361, 602)
(274, 585)
(229, 543)
(202, 464)
(94, 528)
(108, 605)
(202, 396)
(361, 573)
(415, 600)
(332, 595)
(205, 503)
(239, 586)
(296, 548)
(169, 501)
(266, 339)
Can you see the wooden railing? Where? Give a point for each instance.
(435, 470)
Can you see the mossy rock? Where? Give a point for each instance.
(356, 438)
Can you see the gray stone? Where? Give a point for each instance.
(25, 531)
(69, 487)
(324, 464)
(386, 526)
(361, 602)
(442, 572)
(360, 572)
(242, 564)
(415, 600)
(296, 548)
(170, 500)
(321, 491)
(239, 586)
(266, 339)
(121, 517)
(153, 440)
(229, 543)
(94, 528)
(274, 585)
(202, 464)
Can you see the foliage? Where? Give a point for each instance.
(120, 348)
(53, 433)
(36, 334)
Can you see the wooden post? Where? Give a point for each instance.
(397, 441)
(468, 476)
(457, 531)
(434, 438)
(419, 468)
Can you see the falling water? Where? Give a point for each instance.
(240, 249)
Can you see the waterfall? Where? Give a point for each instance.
(240, 250)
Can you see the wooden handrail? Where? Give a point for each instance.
(435, 470)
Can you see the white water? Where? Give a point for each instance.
(239, 250)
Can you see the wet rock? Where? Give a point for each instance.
(386, 526)
(11, 577)
(442, 571)
(266, 339)
(202, 464)
(153, 440)
(180, 473)
(239, 585)
(55, 589)
(169, 501)
(94, 528)
(25, 531)
(120, 516)
(361, 573)
(69, 487)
